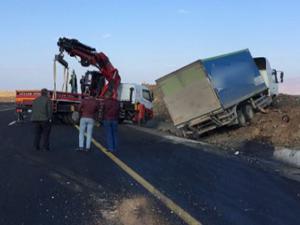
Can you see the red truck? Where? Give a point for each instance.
(97, 83)
(63, 103)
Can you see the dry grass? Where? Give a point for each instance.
(7, 96)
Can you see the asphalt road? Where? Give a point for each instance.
(67, 187)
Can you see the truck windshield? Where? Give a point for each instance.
(260, 63)
(147, 95)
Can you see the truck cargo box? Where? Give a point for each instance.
(235, 77)
(210, 85)
(188, 93)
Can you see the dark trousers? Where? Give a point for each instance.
(41, 131)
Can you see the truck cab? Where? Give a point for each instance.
(135, 93)
(138, 98)
(269, 75)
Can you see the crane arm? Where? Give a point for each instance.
(89, 56)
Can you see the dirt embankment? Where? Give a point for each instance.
(279, 126)
(7, 96)
(160, 111)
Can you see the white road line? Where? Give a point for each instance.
(8, 109)
(12, 123)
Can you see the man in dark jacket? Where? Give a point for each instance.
(41, 118)
(73, 82)
(111, 110)
(88, 108)
(82, 84)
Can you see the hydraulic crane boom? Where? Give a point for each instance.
(89, 56)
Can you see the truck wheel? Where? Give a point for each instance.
(248, 112)
(66, 119)
(195, 135)
(241, 118)
(20, 117)
(75, 117)
(179, 132)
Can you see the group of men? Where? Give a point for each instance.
(89, 111)
(73, 83)
(92, 80)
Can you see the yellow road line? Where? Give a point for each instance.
(184, 215)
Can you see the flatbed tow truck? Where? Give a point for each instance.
(64, 103)
(136, 107)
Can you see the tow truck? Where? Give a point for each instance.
(135, 100)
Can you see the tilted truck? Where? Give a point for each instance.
(214, 92)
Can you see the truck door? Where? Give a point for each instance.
(146, 98)
(267, 74)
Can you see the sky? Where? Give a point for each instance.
(145, 39)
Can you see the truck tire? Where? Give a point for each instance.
(241, 118)
(75, 117)
(65, 119)
(20, 117)
(248, 112)
(70, 119)
(195, 135)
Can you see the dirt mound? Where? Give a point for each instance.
(160, 111)
(279, 126)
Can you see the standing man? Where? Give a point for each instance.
(141, 114)
(111, 110)
(41, 118)
(88, 109)
(73, 82)
(82, 84)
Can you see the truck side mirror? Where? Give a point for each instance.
(131, 94)
(274, 73)
(281, 76)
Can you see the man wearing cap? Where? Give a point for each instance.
(41, 118)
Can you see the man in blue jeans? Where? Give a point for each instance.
(111, 109)
(88, 109)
